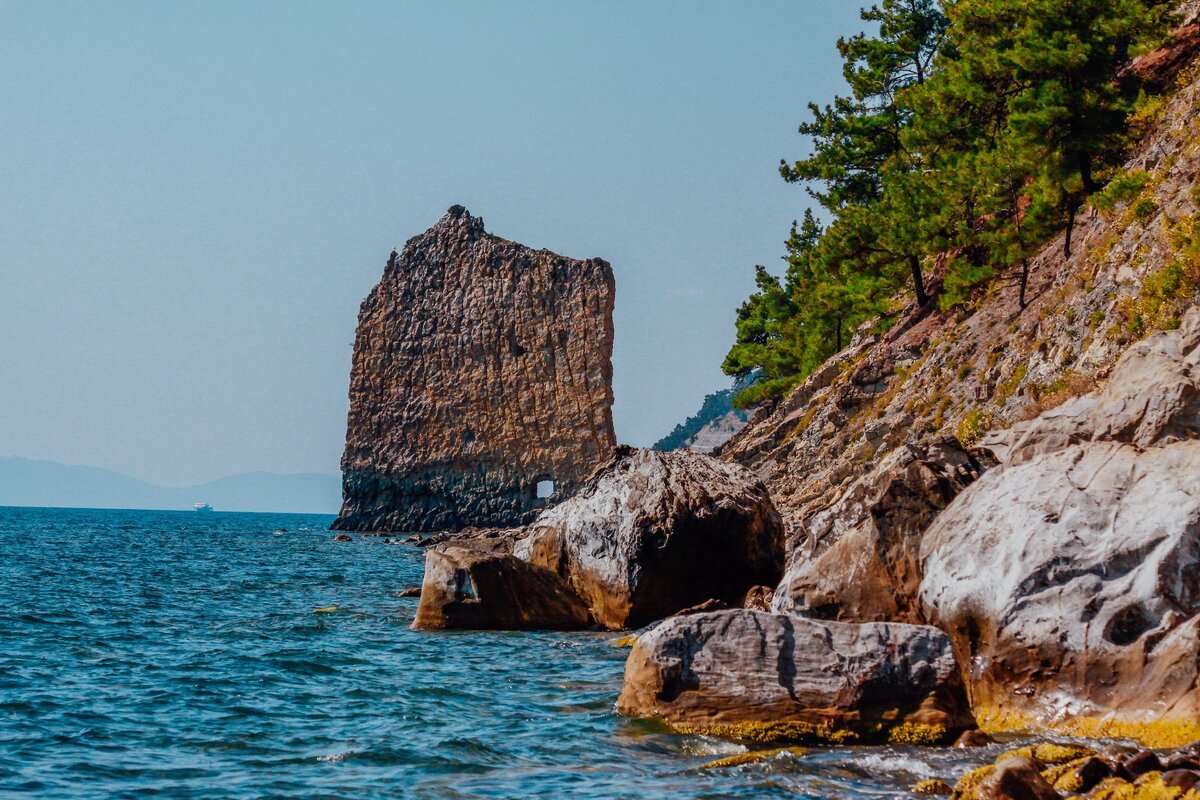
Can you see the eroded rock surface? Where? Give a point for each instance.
(654, 533)
(858, 559)
(1069, 576)
(481, 368)
(774, 677)
(476, 589)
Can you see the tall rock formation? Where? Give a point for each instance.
(481, 369)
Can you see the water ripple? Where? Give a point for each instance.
(174, 654)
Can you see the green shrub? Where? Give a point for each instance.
(1121, 189)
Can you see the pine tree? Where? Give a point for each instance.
(969, 137)
(857, 140)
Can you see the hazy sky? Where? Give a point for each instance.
(194, 199)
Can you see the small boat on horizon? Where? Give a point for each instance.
(203, 508)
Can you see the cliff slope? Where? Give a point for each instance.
(960, 373)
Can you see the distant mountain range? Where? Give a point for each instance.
(28, 482)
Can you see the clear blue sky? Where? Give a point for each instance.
(194, 199)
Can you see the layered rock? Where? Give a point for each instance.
(773, 677)
(1069, 576)
(481, 368)
(654, 533)
(858, 559)
(477, 589)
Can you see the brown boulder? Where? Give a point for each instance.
(759, 598)
(974, 738)
(858, 560)
(773, 677)
(479, 590)
(653, 533)
(1016, 778)
(1185, 779)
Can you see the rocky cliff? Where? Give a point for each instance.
(1000, 471)
(481, 368)
(959, 373)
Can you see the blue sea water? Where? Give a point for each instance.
(185, 655)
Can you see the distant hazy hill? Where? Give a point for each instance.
(710, 427)
(26, 482)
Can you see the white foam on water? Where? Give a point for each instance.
(706, 746)
(889, 764)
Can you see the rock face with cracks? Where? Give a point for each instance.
(1069, 576)
(654, 533)
(482, 368)
(858, 560)
(773, 677)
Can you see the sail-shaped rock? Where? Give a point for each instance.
(482, 378)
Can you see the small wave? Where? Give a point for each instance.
(892, 764)
(708, 746)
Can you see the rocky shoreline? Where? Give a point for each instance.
(982, 522)
(1045, 580)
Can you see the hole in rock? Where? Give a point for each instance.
(545, 489)
(1128, 625)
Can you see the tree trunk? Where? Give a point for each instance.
(918, 281)
(1024, 282)
(1072, 210)
(1085, 173)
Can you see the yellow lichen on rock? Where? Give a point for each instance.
(626, 641)
(932, 786)
(968, 784)
(772, 732)
(1066, 777)
(1049, 753)
(919, 733)
(1155, 733)
(753, 757)
(1147, 787)
(1063, 758)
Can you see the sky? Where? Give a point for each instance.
(195, 198)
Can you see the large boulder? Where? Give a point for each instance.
(857, 560)
(654, 533)
(1069, 576)
(466, 587)
(776, 677)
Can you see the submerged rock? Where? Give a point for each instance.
(476, 589)
(772, 677)
(482, 368)
(654, 533)
(931, 786)
(1069, 576)
(1026, 772)
(753, 757)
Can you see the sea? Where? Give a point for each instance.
(179, 654)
